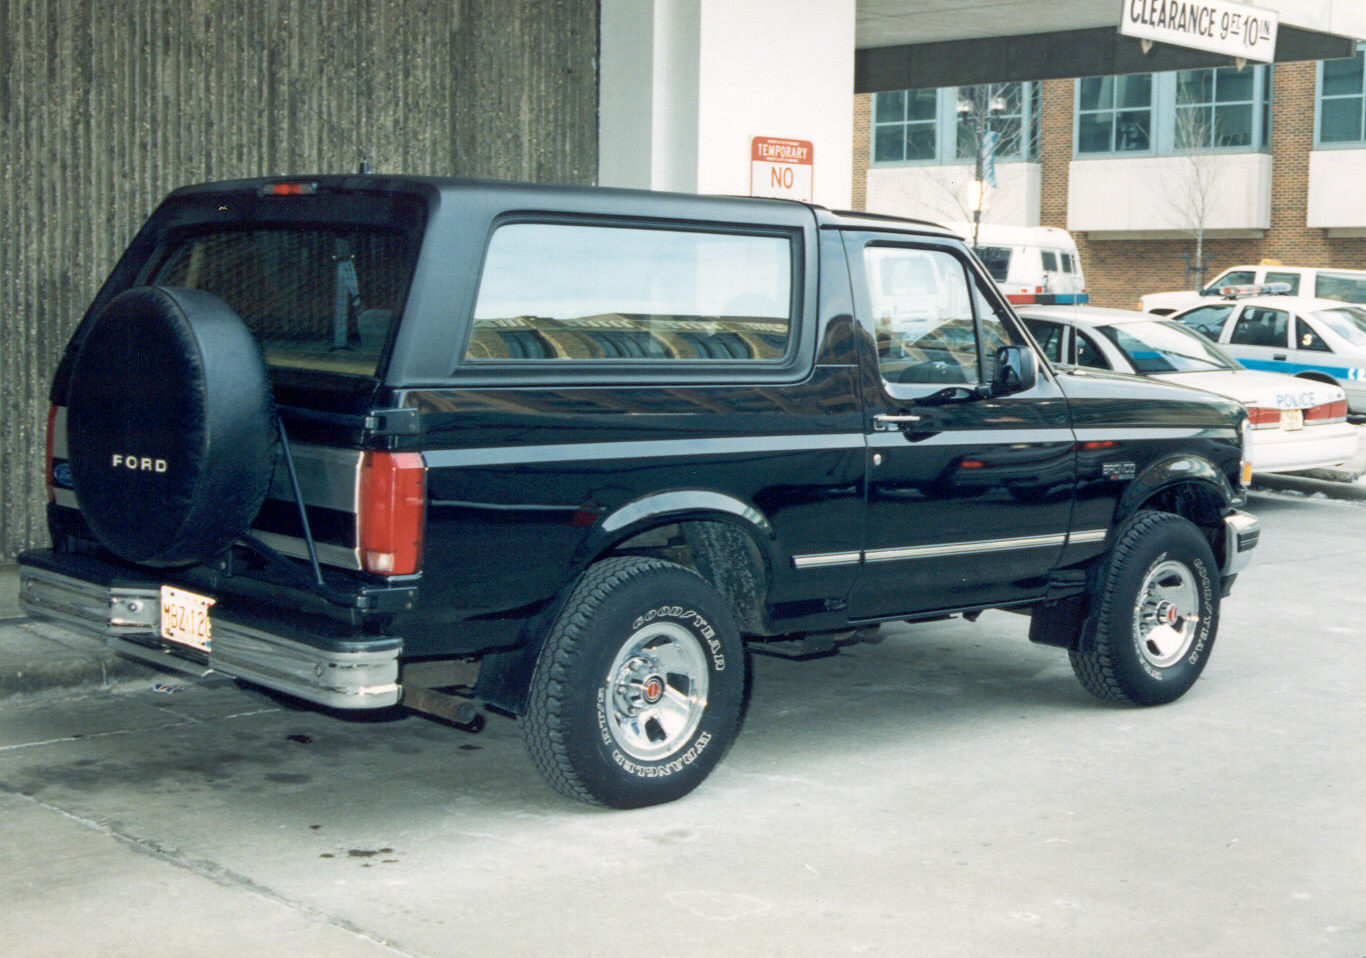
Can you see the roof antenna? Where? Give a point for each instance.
(364, 163)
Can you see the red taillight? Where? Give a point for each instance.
(1260, 417)
(1327, 412)
(47, 465)
(393, 501)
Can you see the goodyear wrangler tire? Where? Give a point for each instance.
(170, 426)
(1158, 613)
(639, 688)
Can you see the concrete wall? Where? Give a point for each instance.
(105, 105)
(1171, 194)
(944, 193)
(1336, 199)
(781, 68)
(686, 85)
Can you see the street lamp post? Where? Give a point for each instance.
(983, 123)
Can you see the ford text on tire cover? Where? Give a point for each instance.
(574, 454)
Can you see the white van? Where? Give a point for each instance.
(1031, 264)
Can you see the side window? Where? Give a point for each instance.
(1237, 277)
(1292, 279)
(573, 292)
(1259, 326)
(1343, 286)
(1306, 338)
(1088, 353)
(1050, 337)
(1206, 320)
(997, 261)
(922, 311)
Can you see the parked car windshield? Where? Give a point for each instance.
(1349, 322)
(1161, 347)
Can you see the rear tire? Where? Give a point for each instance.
(639, 688)
(1158, 613)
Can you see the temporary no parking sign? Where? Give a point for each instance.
(781, 168)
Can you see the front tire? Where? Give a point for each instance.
(1158, 613)
(639, 688)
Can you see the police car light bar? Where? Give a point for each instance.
(1253, 289)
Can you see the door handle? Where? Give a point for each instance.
(889, 421)
(1279, 356)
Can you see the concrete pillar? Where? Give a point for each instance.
(685, 85)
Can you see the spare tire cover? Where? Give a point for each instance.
(170, 426)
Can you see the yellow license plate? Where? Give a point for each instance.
(1292, 419)
(185, 618)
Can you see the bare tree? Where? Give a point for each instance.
(1192, 192)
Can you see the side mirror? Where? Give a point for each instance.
(1017, 369)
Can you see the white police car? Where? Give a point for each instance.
(1297, 424)
(1314, 339)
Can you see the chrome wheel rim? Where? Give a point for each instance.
(1167, 615)
(656, 691)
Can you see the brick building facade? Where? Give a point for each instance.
(1119, 270)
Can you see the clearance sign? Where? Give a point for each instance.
(780, 168)
(1219, 26)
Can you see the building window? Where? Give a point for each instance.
(1114, 114)
(1342, 99)
(942, 126)
(905, 126)
(1011, 108)
(1215, 108)
(1171, 113)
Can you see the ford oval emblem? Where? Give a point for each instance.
(61, 475)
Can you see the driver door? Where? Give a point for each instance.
(969, 495)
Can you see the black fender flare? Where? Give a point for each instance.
(505, 675)
(1170, 472)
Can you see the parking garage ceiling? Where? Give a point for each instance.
(904, 44)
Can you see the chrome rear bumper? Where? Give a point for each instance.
(129, 619)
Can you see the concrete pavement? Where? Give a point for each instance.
(949, 790)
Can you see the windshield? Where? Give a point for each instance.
(1349, 322)
(319, 298)
(1161, 347)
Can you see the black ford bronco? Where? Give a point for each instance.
(570, 453)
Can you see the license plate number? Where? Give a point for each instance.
(185, 618)
(1292, 419)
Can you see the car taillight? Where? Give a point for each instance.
(1327, 412)
(1260, 417)
(47, 464)
(393, 502)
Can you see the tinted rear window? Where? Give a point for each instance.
(315, 298)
